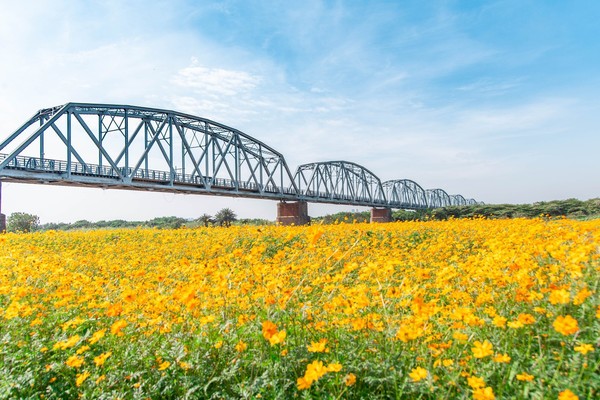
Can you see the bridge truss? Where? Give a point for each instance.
(141, 148)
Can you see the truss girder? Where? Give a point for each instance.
(405, 193)
(437, 198)
(340, 181)
(141, 148)
(457, 200)
(126, 145)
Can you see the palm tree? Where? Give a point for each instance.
(225, 217)
(206, 219)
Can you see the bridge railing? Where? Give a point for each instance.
(60, 167)
(338, 196)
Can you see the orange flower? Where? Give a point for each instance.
(567, 395)
(566, 325)
(268, 329)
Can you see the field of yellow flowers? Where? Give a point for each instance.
(478, 309)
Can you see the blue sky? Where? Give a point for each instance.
(495, 100)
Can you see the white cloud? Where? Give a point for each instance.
(215, 81)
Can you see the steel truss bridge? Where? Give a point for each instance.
(140, 148)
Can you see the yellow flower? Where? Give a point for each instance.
(461, 337)
(481, 350)
(334, 367)
(82, 349)
(318, 347)
(101, 359)
(525, 377)
(581, 296)
(502, 358)
(303, 383)
(584, 348)
(80, 378)
(566, 325)
(75, 361)
(475, 382)
(560, 296)
(567, 395)
(241, 346)
(515, 324)
(219, 344)
(447, 363)
(277, 338)
(164, 365)
(314, 371)
(97, 336)
(184, 365)
(116, 327)
(499, 321)
(486, 393)
(418, 374)
(526, 319)
(65, 344)
(350, 379)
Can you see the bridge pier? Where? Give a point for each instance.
(2, 216)
(381, 215)
(293, 213)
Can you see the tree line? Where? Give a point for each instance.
(571, 208)
(24, 222)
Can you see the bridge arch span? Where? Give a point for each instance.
(437, 198)
(405, 193)
(144, 148)
(457, 200)
(340, 182)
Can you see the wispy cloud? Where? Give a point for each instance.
(418, 91)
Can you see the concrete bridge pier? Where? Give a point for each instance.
(293, 213)
(381, 215)
(2, 216)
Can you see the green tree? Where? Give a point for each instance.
(22, 222)
(206, 219)
(166, 222)
(225, 217)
